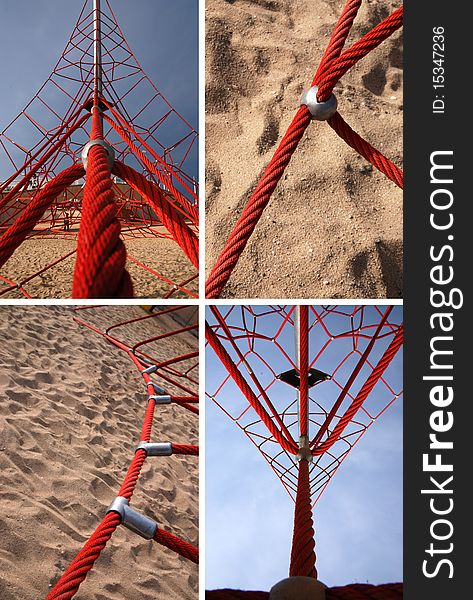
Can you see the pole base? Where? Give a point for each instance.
(298, 588)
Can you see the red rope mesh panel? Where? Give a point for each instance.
(354, 375)
(106, 211)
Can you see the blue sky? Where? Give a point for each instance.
(249, 515)
(162, 34)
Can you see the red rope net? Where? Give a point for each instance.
(164, 374)
(304, 384)
(151, 193)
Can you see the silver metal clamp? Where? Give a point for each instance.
(132, 519)
(320, 111)
(110, 152)
(151, 369)
(157, 388)
(305, 452)
(165, 399)
(155, 448)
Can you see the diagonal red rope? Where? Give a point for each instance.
(366, 150)
(18, 231)
(177, 545)
(170, 217)
(335, 69)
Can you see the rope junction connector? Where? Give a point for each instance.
(110, 152)
(305, 452)
(157, 389)
(298, 588)
(163, 399)
(155, 448)
(320, 111)
(132, 519)
(151, 369)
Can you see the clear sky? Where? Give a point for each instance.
(163, 35)
(249, 515)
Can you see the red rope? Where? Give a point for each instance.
(354, 591)
(339, 35)
(101, 256)
(241, 382)
(18, 231)
(177, 545)
(257, 203)
(189, 210)
(303, 544)
(366, 150)
(185, 449)
(333, 71)
(332, 67)
(169, 216)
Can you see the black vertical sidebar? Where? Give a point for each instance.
(437, 120)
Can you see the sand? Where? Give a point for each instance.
(72, 408)
(162, 255)
(333, 227)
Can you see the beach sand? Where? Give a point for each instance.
(162, 255)
(333, 227)
(72, 407)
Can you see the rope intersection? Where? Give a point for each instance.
(333, 65)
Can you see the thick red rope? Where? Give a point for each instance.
(189, 210)
(18, 231)
(354, 591)
(177, 545)
(169, 216)
(366, 150)
(185, 449)
(339, 35)
(77, 571)
(335, 69)
(303, 544)
(332, 67)
(101, 256)
(257, 203)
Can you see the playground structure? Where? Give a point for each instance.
(168, 379)
(98, 157)
(320, 104)
(304, 384)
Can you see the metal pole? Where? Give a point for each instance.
(303, 439)
(97, 51)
